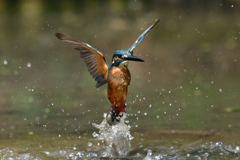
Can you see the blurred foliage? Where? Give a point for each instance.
(15, 6)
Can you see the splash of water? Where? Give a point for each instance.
(116, 137)
(149, 155)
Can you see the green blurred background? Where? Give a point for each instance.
(189, 81)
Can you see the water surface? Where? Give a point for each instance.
(183, 102)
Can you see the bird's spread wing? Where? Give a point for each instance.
(95, 61)
(140, 38)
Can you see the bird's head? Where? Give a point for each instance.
(123, 56)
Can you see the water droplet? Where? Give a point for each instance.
(104, 115)
(206, 155)
(220, 90)
(150, 105)
(149, 153)
(29, 64)
(89, 144)
(5, 62)
(145, 114)
(94, 134)
(237, 148)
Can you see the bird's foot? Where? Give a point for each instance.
(114, 116)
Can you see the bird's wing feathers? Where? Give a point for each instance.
(94, 59)
(140, 38)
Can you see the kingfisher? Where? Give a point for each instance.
(117, 76)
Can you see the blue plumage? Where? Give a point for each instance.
(117, 75)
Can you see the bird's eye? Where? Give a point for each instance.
(119, 56)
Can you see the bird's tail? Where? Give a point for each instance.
(116, 117)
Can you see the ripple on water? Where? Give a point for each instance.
(206, 151)
(115, 141)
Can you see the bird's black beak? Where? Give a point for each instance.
(133, 58)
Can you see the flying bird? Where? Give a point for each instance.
(116, 75)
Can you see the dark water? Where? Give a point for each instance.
(183, 102)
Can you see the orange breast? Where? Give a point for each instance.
(118, 81)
